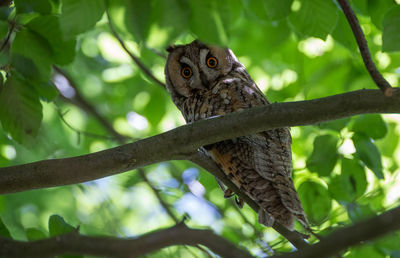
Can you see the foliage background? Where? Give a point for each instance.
(344, 170)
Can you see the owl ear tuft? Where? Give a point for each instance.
(170, 48)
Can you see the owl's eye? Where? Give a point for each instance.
(186, 72)
(212, 62)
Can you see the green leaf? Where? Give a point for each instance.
(58, 226)
(377, 10)
(315, 18)
(352, 182)
(389, 144)
(371, 125)
(206, 22)
(4, 230)
(138, 18)
(20, 109)
(343, 33)
(368, 153)
(49, 28)
(324, 155)
(46, 90)
(391, 30)
(175, 24)
(3, 29)
(277, 10)
(35, 234)
(38, 51)
(366, 250)
(79, 16)
(358, 212)
(315, 200)
(30, 6)
(336, 125)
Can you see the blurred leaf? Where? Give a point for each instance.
(4, 230)
(35, 234)
(371, 125)
(389, 243)
(20, 109)
(58, 226)
(133, 179)
(324, 155)
(359, 6)
(316, 201)
(377, 10)
(5, 13)
(38, 51)
(389, 144)
(155, 109)
(315, 18)
(138, 18)
(359, 212)
(168, 18)
(343, 33)
(3, 29)
(29, 6)
(206, 22)
(79, 16)
(352, 182)
(335, 125)
(365, 251)
(277, 10)
(49, 28)
(368, 153)
(46, 90)
(391, 30)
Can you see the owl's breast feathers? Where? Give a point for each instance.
(259, 164)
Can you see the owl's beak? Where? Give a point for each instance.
(204, 80)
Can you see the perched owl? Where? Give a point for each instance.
(206, 81)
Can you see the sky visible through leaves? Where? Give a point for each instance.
(345, 170)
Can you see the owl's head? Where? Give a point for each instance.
(196, 66)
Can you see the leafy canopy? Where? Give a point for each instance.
(344, 170)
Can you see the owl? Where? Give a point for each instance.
(206, 81)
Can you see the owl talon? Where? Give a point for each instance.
(239, 201)
(228, 193)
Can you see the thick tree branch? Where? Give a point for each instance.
(183, 141)
(75, 243)
(343, 238)
(132, 56)
(363, 46)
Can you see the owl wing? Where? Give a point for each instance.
(271, 153)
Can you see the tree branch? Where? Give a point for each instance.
(182, 142)
(353, 235)
(363, 46)
(132, 56)
(74, 243)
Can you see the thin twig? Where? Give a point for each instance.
(80, 101)
(363, 46)
(10, 31)
(158, 195)
(133, 57)
(81, 132)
